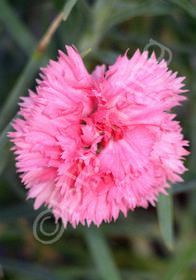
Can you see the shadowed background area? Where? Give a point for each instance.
(148, 244)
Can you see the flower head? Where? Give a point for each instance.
(89, 146)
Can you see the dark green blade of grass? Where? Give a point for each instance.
(16, 28)
(181, 262)
(185, 5)
(30, 270)
(13, 212)
(101, 254)
(139, 8)
(183, 187)
(165, 218)
(24, 82)
(4, 148)
(27, 76)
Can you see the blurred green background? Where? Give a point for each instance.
(146, 245)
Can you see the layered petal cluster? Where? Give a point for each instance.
(89, 146)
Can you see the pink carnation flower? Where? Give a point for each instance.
(90, 146)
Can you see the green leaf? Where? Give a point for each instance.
(127, 11)
(4, 148)
(9, 179)
(14, 212)
(101, 254)
(10, 107)
(16, 28)
(68, 8)
(181, 262)
(89, 273)
(33, 271)
(107, 57)
(185, 5)
(57, 4)
(164, 211)
(183, 187)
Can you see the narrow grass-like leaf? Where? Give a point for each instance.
(31, 68)
(101, 254)
(89, 273)
(192, 157)
(24, 81)
(9, 177)
(186, 5)
(33, 271)
(139, 8)
(16, 28)
(181, 262)
(108, 57)
(181, 48)
(68, 8)
(183, 187)
(4, 148)
(18, 211)
(85, 53)
(164, 211)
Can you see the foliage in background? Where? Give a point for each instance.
(131, 248)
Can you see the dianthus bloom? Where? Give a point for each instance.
(89, 146)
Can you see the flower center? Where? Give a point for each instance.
(110, 131)
(98, 134)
